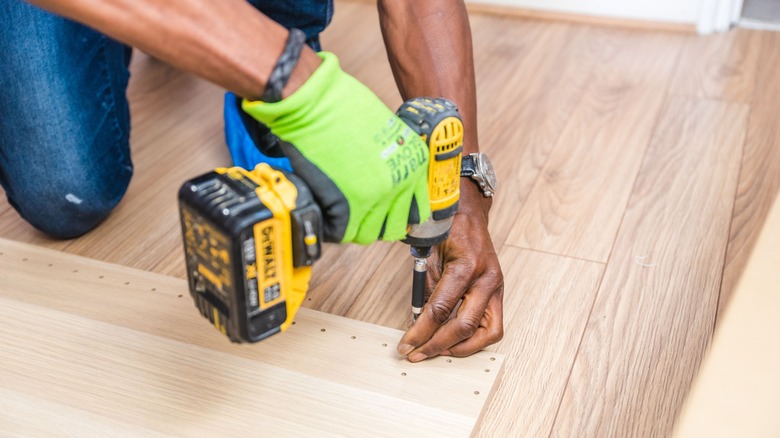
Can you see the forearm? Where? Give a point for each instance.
(227, 42)
(429, 47)
(430, 51)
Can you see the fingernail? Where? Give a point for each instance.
(405, 349)
(416, 357)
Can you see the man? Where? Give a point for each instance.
(64, 108)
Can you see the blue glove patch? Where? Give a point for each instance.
(244, 151)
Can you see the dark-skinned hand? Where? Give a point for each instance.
(464, 313)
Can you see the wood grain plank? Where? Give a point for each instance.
(21, 417)
(385, 299)
(719, 66)
(340, 276)
(547, 303)
(576, 205)
(759, 179)
(128, 346)
(531, 76)
(654, 312)
(738, 388)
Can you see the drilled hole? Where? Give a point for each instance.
(322, 330)
(75, 270)
(127, 283)
(403, 374)
(353, 337)
(100, 277)
(487, 370)
(384, 345)
(154, 289)
(24, 259)
(293, 323)
(493, 358)
(449, 360)
(476, 392)
(180, 295)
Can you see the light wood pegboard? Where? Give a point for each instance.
(91, 347)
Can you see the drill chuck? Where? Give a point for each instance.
(439, 124)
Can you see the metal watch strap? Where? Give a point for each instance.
(284, 66)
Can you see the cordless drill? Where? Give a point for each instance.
(251, 237)
(439, 124)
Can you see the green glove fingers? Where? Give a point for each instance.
(362, 163)
(400, 216)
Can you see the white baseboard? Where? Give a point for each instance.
(673, 11)
(750, 23)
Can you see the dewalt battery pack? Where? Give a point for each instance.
(250, 238)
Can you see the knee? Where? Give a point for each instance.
(71, 208)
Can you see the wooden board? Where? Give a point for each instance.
(655, 309)
(99, 347)
(737, 391)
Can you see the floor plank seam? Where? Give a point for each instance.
(555, 144)
(556, 254)
(756, 74)
(731, 218)
(710, 99)
(577, 352)
(667, 95)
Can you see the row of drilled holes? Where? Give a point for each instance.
(100, 277)
(154, 289)
(487, 370)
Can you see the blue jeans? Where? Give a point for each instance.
(64, 117)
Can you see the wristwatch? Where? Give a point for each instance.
(477, 166)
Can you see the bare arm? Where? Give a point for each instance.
(429, 46)
(430, 51)
(227, 42)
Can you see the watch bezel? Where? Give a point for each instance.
(483, 169)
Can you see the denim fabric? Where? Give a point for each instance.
(310, 16)
(64, 117)
(64, 120)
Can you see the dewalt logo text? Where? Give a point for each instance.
(269, 255)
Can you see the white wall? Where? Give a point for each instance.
(677, 11)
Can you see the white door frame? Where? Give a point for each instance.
(718, 15)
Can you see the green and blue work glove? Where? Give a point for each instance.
(366, 168)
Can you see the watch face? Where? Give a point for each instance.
(485, 168)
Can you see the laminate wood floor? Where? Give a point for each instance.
(637, 168)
